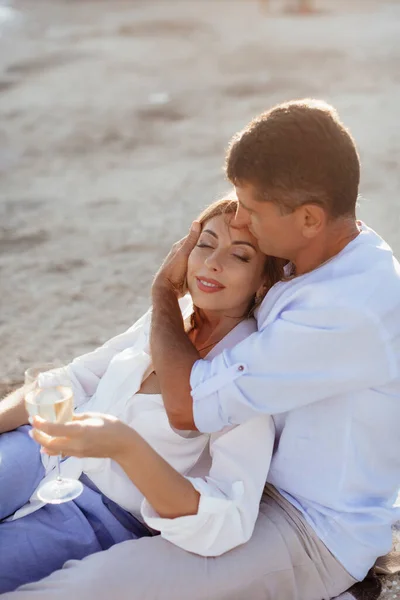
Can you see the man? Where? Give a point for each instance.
(325, 363)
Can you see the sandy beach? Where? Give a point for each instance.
(114, 120)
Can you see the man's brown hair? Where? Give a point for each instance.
(298, 153)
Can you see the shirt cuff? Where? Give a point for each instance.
(209, 382)
(201, 533)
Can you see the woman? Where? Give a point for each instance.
(200, 491)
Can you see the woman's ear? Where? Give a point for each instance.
(257, 299)
(260, 293)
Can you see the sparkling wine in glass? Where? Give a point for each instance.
(33, 372)
(54, 404)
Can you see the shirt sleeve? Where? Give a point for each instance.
(84, 372)
(302, 357)
(229, 496)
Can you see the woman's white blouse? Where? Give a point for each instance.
(228, 468)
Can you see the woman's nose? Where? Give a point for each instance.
(213, 263)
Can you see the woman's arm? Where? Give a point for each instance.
(207, 516)
(169, 492)
(13, 413)
(103, 436)
(229, 496)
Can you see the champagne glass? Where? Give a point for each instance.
(54, 404)
(33, 372)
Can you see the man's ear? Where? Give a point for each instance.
(313, 220)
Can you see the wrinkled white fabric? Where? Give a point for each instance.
(229, 468)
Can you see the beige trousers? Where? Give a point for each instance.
(284, 560)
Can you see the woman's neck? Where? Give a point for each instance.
(211, 328)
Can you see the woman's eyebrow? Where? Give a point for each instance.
(235, 242)
(210, 232)
(243, 243)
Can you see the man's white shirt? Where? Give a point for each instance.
(326, 364)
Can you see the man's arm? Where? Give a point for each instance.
(172, 352)
(304, 356)
(173, 357)
(12, 410)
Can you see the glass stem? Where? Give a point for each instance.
(58, 468)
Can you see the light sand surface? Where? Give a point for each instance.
(114, 117)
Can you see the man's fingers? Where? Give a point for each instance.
(191, 239)
(194, 233)
(180, 242)
(195, 228)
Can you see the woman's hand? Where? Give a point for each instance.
(172, 273)
(103, 436)
(89, 435)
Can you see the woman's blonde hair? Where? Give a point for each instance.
(273, 267)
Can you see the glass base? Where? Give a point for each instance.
(60, 490)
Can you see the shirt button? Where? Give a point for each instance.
(240, 368)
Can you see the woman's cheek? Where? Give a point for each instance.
(190, 266)
(239, 280)
(193, 259)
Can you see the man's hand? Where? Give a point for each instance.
(172, 273)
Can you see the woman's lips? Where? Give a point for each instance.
(209, 286)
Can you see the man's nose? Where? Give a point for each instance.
(242, 217)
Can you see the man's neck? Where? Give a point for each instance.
(337, 236)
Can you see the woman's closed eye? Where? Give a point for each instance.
(245, 259)
(242, 258)
(204, 245)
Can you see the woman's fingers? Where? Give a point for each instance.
(86, 416)
(76, 429)
(57, 429)
(55, 445)
(79, 417)
(89, 434)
